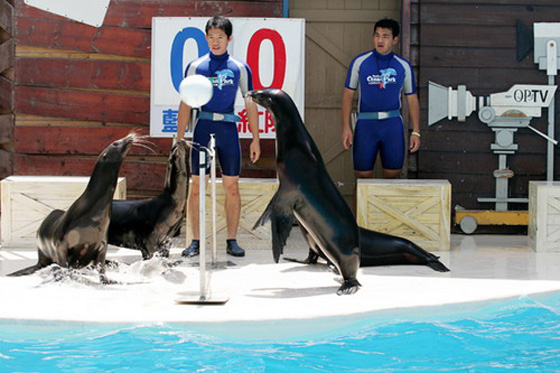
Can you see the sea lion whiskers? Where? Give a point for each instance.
(142, 142)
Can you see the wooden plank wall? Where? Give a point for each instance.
(474, 43)
(77, 88)
(6, 87)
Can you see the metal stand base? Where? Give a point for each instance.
(217, 265)
(201, 301)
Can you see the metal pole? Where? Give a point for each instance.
(202, 222)
(550, 146)
(212, 147)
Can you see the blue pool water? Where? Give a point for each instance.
(521, 335)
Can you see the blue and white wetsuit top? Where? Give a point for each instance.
(380, 79)
(227, 75)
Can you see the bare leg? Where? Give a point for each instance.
(364, 174)
(194, 205)
(391, 174)
(232, 204)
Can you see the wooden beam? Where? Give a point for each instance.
(94, 74)
(405, 29)
(83, 140)
(6, 55)
(82, 105)
(6, 96)
(65, 34)
(5, 164)
(6, 128)
(139, 174)
(347, 16)
(329, 47)
(6, 17)
(482, 14)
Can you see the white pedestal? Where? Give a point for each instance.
(544, 215)
(418, 210)
(27, 200)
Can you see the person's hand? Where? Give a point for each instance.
(255, 150)
(414, 143)
(347, 137)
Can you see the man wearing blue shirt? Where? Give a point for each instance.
(227, 74)
(381, 77)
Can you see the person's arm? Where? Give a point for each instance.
(183, 118)
(414, 114)
(346, 107)
(253, 117)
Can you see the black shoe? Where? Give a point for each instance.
(234, 249)
(193, 249)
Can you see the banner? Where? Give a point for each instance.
(274, 49)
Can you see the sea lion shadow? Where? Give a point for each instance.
(319, 267)
(275, 293)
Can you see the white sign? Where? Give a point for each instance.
(90, 12)
(272, 47)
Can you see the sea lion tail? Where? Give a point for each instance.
(436, 265)
(432, 260)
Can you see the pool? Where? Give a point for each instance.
(517, 335)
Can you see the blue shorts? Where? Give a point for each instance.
(227, 146)
(383, 136)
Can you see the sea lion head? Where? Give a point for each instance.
(279, 104)
(116, 151)
(177, 165)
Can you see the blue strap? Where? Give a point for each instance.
(219, 117)
(380, 115)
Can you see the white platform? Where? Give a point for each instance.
(484, 269)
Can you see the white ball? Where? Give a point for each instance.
(195, 90)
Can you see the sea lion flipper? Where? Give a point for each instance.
(26, 271)
(265, 217)
(281, 227)
(311, 258)
(436, 265)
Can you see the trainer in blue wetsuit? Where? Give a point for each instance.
(218, 117)
(227, 75)
(381, 77)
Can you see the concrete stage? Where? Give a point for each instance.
(485, 269)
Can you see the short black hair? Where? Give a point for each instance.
(220, 22)
(388, 23)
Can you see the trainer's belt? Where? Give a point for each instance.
(379, 114)
(219, 117)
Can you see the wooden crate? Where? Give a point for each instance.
(27, 200)
(418, 210)
(255, 196)
(544, 215)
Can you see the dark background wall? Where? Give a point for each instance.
(473, 43)
(67, 89)
(6, 87)
(76, 88)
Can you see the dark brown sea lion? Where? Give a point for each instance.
(381, 249)
(149, 225)
(77, 237)
(307, 193)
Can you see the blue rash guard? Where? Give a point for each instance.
(380, 80)
(227, 75)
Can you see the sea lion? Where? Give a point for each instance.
(381, 249)
(148, 225)
(307, 193)
(77, 237)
